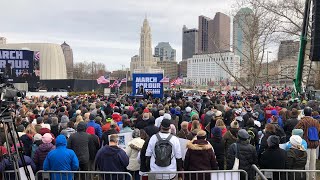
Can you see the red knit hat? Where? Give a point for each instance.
(90, 130)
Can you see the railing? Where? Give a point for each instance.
(290, 174)
(259, 173)
(82, 175)
(8, 175)
(198, 175)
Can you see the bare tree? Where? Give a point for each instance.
(85, 70)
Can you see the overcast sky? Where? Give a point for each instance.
(103, 30)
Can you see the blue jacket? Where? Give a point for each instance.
(304, 145)
(280, 122)
(61, 159)
(96, 126)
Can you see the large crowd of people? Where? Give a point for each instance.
(224, 132)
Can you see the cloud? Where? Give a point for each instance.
(103, 30)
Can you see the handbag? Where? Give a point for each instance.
(236, 159)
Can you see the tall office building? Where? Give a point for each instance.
(3, 40)
(68, 56)
(189, 42)
(145, 62)
(165, 52)
(170, 68)
(288, 49)
(241, 32)
(203, 34)
(219, 33)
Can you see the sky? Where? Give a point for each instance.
(106, 31)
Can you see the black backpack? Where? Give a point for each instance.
(163, 151)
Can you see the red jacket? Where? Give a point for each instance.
(267, 111)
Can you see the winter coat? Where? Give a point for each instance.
(228, 117)
(6, 164)
(141, 124)
(61, 159)
(96, 126)
(27, 144)
(79, 143)
(41, 154)
(289, 126)
(34, 147)
(229, 138)
(296, 160)
(274, 158)
(184, 134)
(304, 124)
(207, 118)
(105, 136)
(55, 130)
(264, 143)
(219, 150)
(247, 156)
(186, 117)
(132, 151)
(94, 146)
(112, 159)
(143, 160)
(151, 130)
(200, 157)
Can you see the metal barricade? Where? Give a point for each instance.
(8, 175)
(82, 175)
(197, 175)
(289, 174)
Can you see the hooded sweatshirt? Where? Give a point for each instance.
(61, 159)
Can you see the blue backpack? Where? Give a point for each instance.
(313, 134)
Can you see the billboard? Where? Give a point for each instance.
(149, 82)
(19, 66)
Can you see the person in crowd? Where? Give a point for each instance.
(298, 132)
(27, 139)
(97, 127)
(144, 122)
(218, 116)
(43, 150)
(133, 149)
(111, 158)
(274, 157)
(268, 131)
(78, 119)
(126, 127)
(200, 156)
(159, 119)
(37, 140)
(159, 157)
(184, 133)
(61, 159)
(186, 115)
(311, 129)
(69, 130)
(218, 146)
(245, 152)
(94, 145)
(231, 135)
(105, 135)
(79, 143)
(220, 124)
(55, 129)
(296, 158)
(151, 129)
(107, 126)
(253, 132)
(291, 123)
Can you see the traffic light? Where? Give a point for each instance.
(315, 32)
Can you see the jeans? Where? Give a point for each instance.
(311, 163)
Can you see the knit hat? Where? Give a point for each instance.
(234, 124)
(216, 132)
(243, 134)
(296, 141)
(188, 109)
(39, 120)
(146, 110)
(131, 108)
(37, 137)
(90, 130)
(135, 133)
(165, 123)
(298, 132)
(20, 128)
(42, 131)
(167, 116)
(47, 138)
(64, 119)
(78, 112)
(273, 140)
(201, 134)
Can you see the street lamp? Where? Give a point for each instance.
(268, 65)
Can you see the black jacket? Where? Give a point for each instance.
(79, 143)
(247, 157)
(297, 160)
(151, 130)
(274, 158)
(105, 136)
(218, 146)
(264, 144)
(94, 146)
(254, 141)
(289, 126)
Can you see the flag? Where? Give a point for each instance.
(176, 81)
(164, 80)
(114, 84)
(102, 80)
(124, 80)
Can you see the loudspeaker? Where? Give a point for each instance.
(315, 32)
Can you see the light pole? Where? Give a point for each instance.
(268, 65)
(92, 76)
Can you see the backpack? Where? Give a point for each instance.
(252, 135)
(313, 134)
(163, 151)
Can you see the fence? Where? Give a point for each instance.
(8, 175)
(288, 174)
(198, 175)
(82, 175)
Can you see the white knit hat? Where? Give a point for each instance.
(296, 141)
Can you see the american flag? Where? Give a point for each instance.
(165, 80)
(177, 81)
(102, 80)
(114, 84)
(37, 56)
(124, 80)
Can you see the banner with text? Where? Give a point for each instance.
(20, 66)
(144, 83)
